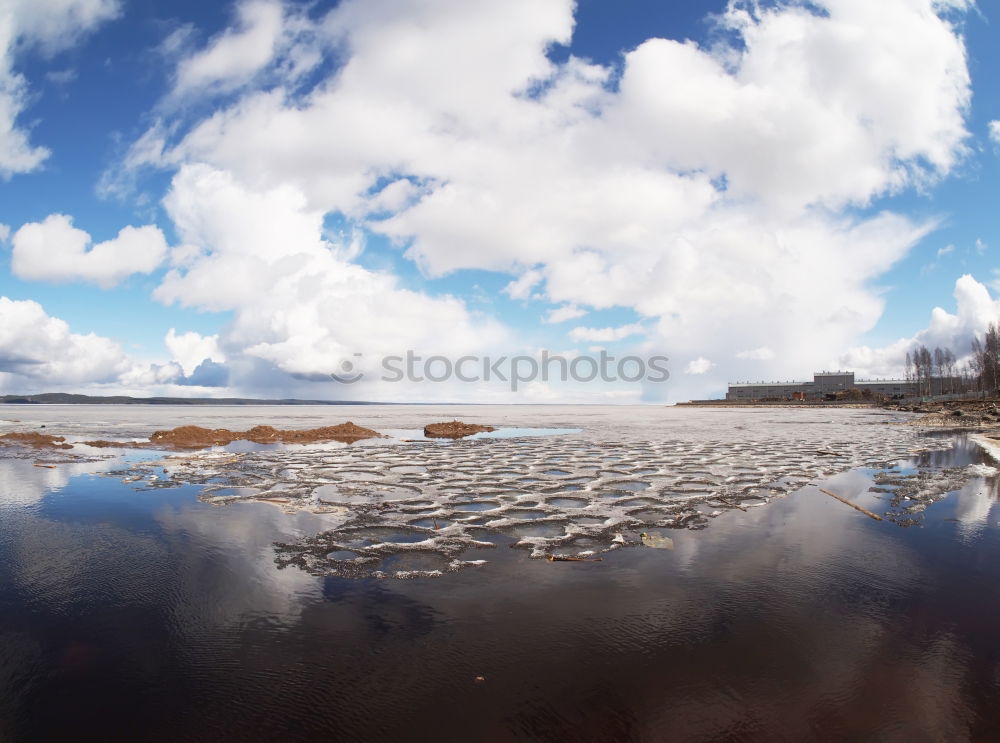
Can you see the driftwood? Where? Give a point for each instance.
(855, 506)
(568, 558)
(730, 503)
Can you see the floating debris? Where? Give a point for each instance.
(913, 492)
(855, 506)
(656, 541)
(982, 470)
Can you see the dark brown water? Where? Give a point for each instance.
(149, 614)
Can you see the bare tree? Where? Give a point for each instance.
(927, 367)
(985, 361)
(949, 363)
(992, 360)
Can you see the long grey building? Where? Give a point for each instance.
(826, 384)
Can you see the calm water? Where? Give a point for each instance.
(150, 613)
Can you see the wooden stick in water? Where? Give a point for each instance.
(855, 506)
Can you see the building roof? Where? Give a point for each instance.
(770, 384)
(817, 375)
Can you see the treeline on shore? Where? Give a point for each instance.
(939, 371)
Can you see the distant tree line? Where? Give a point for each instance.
(923, 366)
(939, 372)
(985, 361)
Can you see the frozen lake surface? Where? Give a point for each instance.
(256, 587)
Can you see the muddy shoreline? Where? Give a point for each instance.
(797, 404)
(982, 415)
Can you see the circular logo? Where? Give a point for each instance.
(346, 373)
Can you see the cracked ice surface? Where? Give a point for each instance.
(410, 509)
(911, 493)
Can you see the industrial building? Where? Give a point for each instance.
(826, 385)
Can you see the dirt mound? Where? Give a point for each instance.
(344, 432)
(103, 444)
(196, 437)
(35, 440)
(454, 430)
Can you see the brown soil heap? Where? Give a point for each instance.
(454, 430)
(35, 440)
(194, 437)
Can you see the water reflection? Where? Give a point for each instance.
(973, 507)
(799, 620)
(23, 482)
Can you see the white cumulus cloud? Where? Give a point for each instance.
(975, 309)
(564, 313)
(700, 365)
(756, 354)
(55, 250)
(190, 349)
(523, 285)
(605, 335)
(711, 189)
(49, 26)
(264, 30)
(37, 350)
(298, 306)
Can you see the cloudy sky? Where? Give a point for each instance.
(233, 198)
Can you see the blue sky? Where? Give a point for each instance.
(643, 168)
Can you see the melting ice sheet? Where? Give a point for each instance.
(405, 508)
